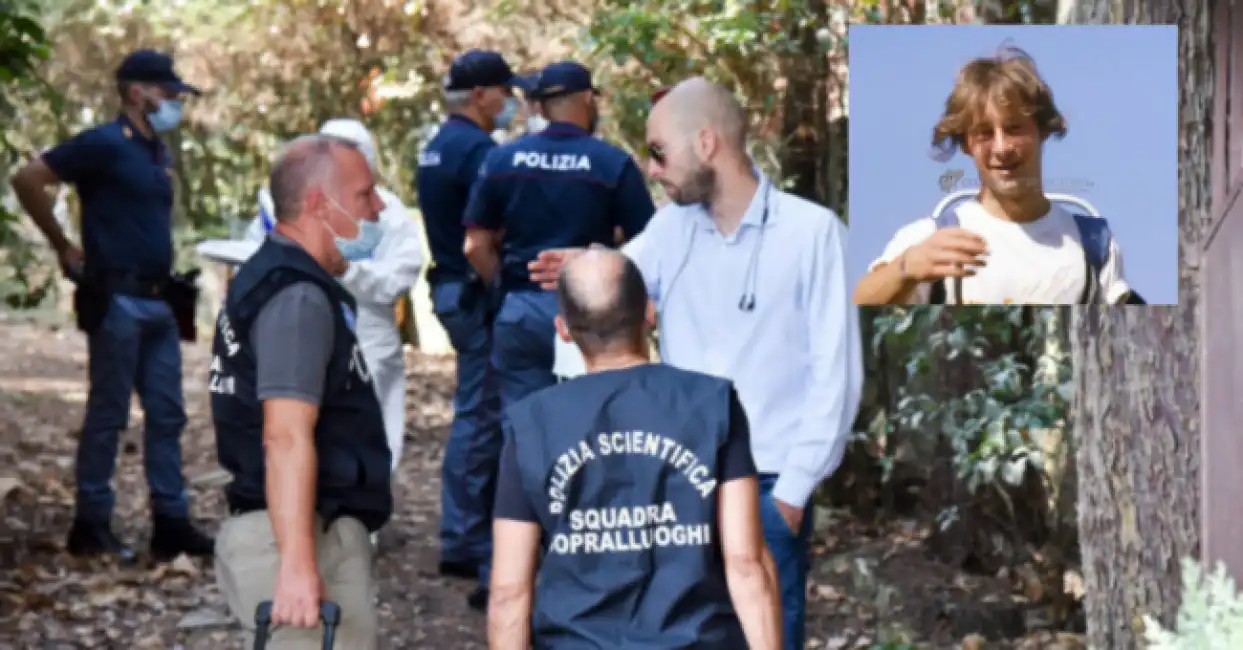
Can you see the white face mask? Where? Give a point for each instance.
(536, 123)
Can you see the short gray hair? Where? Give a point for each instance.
(456, 100)
(307, 161)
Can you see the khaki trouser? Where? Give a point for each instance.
(247, 562)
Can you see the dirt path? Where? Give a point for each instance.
(869, 584)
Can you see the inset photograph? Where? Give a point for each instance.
(999, 165)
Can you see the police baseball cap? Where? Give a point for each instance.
(562, 78)
(527, 83)
(152, 67)
(481, 69)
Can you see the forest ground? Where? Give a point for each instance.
(870, 584)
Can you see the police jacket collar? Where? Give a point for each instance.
(565, 128)
(462, 119)
(132, 132)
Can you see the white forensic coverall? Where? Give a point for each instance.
(376, 284)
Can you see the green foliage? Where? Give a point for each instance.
(752, 48)
(23, 44)
(1210, 617)
(1013, 381)
(270, 70)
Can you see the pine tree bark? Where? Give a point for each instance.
(805, 112)
(1137, 414)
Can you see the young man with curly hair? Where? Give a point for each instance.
(1009, 244)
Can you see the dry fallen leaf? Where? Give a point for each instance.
(7, 485)
(185, 566)
(836, 642)
(828, 593)
(1072, 584)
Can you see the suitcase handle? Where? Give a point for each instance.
(329, 614)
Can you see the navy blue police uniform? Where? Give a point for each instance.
(560, 187)
(124, 182)
(447, 167)
(621, 469)
(353, 457)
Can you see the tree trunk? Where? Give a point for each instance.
(805, 113)
(1137, 415)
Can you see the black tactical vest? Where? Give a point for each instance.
(351, 448)
(622, 468)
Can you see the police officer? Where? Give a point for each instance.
(558, 185)
(479, 95)
(551, 188)
(297, 420)
(639, 480)
(123, 174)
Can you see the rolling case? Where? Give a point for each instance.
(329, 614)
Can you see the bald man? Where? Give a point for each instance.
(298, 423)
(640, 478)
(750, 284)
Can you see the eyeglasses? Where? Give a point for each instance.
(656, 153)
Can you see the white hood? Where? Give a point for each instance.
(354, 131)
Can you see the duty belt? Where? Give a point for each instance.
(128, 284)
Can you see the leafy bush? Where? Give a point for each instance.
(1016, 382)
(1210, 617)
(23, 44)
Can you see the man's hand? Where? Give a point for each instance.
(546, 268)
(70, 258)
(948, 253)
(297, 597)
(792, 515)
(289, 456)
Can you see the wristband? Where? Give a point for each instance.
(902, 267)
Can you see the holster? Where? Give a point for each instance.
(91, 300)
(182, 295)
(476, 294)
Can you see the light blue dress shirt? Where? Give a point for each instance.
(796, 358)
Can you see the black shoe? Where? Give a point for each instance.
(466, 570)
(172, 536)
(478, 599)
(88, 538)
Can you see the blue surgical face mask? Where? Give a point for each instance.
(507, 113)
(167, 116)
(362, 246)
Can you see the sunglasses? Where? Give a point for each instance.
(656, 153)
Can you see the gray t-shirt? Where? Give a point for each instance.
(292, 337)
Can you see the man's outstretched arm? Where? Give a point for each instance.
(644, 249)
(292, 338)
(514, 563)
(750, 572)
